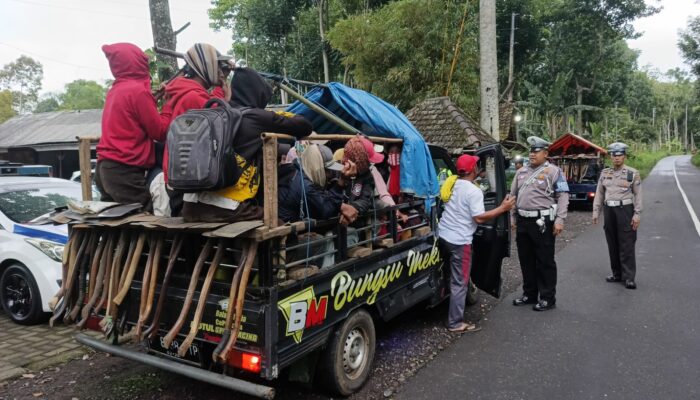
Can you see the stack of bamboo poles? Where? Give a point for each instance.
(113, 255)
(574, 168)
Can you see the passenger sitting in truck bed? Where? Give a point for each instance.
(238, 203)
(205, 69)
(356, 183)
(310, 199)
(130, 125)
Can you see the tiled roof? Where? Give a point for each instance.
(441, 122)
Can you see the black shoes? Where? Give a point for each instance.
(543, 305)
(521, 301)
(613, 278)
(629, 284)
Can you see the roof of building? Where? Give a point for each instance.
(441, 122)
(50, 127)
(572, 144)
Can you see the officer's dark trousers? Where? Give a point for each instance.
(536, 253)
(621, 239)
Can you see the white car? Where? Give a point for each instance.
(31, 246)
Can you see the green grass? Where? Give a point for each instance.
(696, 159)
(645, 161)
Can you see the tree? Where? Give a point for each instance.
(163, 36)
(82, 95)
(6, 111)
(48, 103)
(23, 78)
(689, 44)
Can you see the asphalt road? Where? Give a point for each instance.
(602, 340)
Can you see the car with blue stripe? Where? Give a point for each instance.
(31, 245)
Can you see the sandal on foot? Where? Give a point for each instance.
(465, 327)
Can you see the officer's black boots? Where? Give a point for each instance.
(543, 305)
(613, 278)
(521, 301)
(629, 284)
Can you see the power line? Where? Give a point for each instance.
(51, 58)
(80, 9)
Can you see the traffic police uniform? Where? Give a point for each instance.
(619, 193)
(542, 201)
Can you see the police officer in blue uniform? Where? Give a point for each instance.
(619, 193)
(542, 200)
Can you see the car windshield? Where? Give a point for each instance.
(26, 204)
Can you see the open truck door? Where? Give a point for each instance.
(491, 239)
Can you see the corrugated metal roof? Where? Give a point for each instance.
(50, 127)
(441, 122)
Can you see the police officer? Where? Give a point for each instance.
(620, 193)
(538, 217)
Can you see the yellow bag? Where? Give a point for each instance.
(446, 188)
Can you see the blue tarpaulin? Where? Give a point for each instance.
(375, 117)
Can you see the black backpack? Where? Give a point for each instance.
(200, 148)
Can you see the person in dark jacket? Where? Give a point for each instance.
(238, 202)
(297, 200)
(357, 184)
(130, 125)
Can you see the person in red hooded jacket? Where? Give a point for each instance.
(205, 68)
(130, 125)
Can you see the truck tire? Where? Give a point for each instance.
(20, 296)
(347, 361)
(472, 294)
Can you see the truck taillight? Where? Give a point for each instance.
(591, 194)
(246, 361)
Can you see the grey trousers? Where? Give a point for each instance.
(460, 265)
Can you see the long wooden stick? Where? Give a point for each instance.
(148, 284)
(240, 298)
(202, 302)
(107, 280)
(175, 330)
(64, 271)
(338, 136)
(230, 307)
(61, 308)
(136, 256)
(174, 251)
(99, 281)
(92, 259)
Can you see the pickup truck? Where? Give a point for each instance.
(251, 316)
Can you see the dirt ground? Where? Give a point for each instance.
(404, 345)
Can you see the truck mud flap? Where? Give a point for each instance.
(213, 378)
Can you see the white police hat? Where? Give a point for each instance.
(537, 143)
(617, 149)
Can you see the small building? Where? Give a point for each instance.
(443, 123)
(49, 138)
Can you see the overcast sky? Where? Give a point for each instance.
(66, 35)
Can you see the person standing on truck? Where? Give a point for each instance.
(462, 213)
(238, 202)
(131, 124)
(205, 69)
(538, 217)
(620, 193)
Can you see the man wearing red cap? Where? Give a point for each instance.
(463, 212)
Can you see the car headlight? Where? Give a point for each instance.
(52, 249)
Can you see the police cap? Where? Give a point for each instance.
(617, 149)
(537, 143)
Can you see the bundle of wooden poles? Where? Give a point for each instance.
(98, 269)
(574, 168)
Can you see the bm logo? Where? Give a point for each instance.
(302, 310)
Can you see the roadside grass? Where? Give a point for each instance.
(645, 161)
(696, 159)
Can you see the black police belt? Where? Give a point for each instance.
(534, 213)
(618, 203)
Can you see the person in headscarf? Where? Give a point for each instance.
(203, 77)
(130, 126)
(238, 202)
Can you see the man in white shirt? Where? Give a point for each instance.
(463, 212)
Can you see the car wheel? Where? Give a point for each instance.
(346, 363)
(20, 296)
(472, 294)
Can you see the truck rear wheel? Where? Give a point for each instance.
(347, 361)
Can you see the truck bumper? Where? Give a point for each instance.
(213, 378)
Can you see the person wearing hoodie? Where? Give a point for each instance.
(131, 124)
(205, 68)
(251, 93)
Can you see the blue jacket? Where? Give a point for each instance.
(322, 204)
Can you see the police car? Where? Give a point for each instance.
(31, 246)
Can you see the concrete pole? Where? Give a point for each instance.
(511, 57)
(488, 73)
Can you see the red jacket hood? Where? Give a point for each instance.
(181, 87)
(127, 61)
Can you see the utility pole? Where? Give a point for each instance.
(685, 130)
(488, 73)
(511, 57)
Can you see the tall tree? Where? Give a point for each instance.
(23, 78)
(6, 111)
(689, 44)
(163, 36)
(48, 103)
(83, 95)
